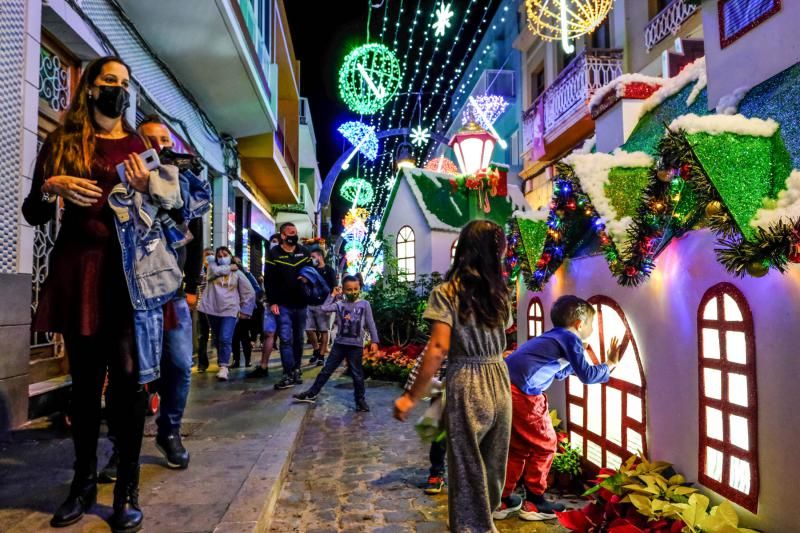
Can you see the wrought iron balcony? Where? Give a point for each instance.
(563, 103)
(667, 22)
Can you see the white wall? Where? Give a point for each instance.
(663, 316)
(774, 46)
(441, 244)
(406, 212)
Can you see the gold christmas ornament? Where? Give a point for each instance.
(562, 20)
(757, 269)
(664, 175)
(713, 208)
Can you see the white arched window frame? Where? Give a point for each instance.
(453, 251)
(406, 254)
(728, 454)
(535, 318)
(608, 422)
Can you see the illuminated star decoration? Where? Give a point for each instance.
(484, 110)
(443, 15)
(420, 136)
(362, 137)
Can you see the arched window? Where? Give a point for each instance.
(535, 318)
(728, 401)
(406, 254)
(608, 422)
(453, 251)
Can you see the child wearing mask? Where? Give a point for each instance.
(352, 316)
(318, 322)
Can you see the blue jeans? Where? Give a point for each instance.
(339, 353)
(223, 327)
(291, 329)
(176, 370)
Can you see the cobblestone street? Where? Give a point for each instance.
(357, 472)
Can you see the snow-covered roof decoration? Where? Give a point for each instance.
(618, 85)
(786, 207)
(718, 124)
(692, 73)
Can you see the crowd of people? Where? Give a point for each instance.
(127, 275)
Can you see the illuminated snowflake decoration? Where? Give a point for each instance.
(442, 165)
(357, 190)
(484, 110)
(443, 16)
(362, 137)
(420, 136)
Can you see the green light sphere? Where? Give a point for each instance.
(369, 78)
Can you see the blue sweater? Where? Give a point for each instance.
(556, 354)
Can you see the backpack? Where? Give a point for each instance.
(316, 291)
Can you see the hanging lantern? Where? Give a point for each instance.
(473, 147)
(562, 20)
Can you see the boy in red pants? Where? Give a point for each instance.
(556, 354)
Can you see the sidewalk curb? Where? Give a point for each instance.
(253, 506)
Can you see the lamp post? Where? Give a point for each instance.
(473, 147)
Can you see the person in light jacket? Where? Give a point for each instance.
(227, 297)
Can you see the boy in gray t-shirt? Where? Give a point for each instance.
(352, 315)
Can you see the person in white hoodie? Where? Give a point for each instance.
(227, 297)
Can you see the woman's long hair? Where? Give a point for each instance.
(477, 274)
(73, 142)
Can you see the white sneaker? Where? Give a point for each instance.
(222, 375)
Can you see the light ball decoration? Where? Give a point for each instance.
(357, 190)
(484, 110)
(562, 20)
(442, 165)
(473, 147)
(369, 77)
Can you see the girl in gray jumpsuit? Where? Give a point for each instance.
(471, 308)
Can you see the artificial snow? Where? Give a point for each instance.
(455, 206)
(729, 104)
(539, 215)
(694, 72)
(786, 207)
(587, 146)
(593, 171)
(718, 124)
(618, 85)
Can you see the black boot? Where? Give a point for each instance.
(82, 495)
(127, 516)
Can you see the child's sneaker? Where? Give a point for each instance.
(539, 509)
(508, 506)
(362, 407)
(286, 382)
(222, 375)
(321, 360)
(435, 485)
(305, 397)
(314, 357)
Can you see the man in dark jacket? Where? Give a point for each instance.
(286, 301)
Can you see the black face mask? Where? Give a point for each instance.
(291, 240)
(112, 101)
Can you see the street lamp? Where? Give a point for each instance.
(473, 146)
(403, 157)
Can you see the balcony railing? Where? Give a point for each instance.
(667, 22)
(569, 93)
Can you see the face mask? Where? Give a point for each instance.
(112, 101)
(273, 245)
(224, 260)
(291, 240)
(209, 259)
(352, 296)
(315, 262)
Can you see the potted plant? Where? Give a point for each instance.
(567, 467)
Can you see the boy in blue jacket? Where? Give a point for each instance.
(532, 368)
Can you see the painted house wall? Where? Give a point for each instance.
(441, 244)
(406, 212)
(662, 314)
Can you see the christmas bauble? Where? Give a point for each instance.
(757, 269)
(794, 252)
(664, 175)
(631, 271)
(713, 208)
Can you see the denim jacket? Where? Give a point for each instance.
(148, 237)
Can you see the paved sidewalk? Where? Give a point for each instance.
(241, 435)
(362, 472)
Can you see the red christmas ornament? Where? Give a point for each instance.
(546, 258)
(685, 168)
(540, 264)
(631, 271)
(571, 205)
(794, 252)
(604, 239)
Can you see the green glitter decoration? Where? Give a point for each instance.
(624, 189)
(744, 170)
(533, 233)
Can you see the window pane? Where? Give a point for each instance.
(575, 414)
(575, 386)
(736, 346)
(628, 370)
(576, 440)
(612, 327)
(712, 381)
(595, 410)
(711, 343)
(731, 309)
(710, 312)
(737, 389)
(714, 464)
(594, 453)
(738, 431)
(634, 407)
(614, 415)
(612, 461)
(714, 423)
(740, 475)
(634, 441)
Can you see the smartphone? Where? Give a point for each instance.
(150, 159)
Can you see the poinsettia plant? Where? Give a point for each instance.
(649, 497)
(391, 363)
